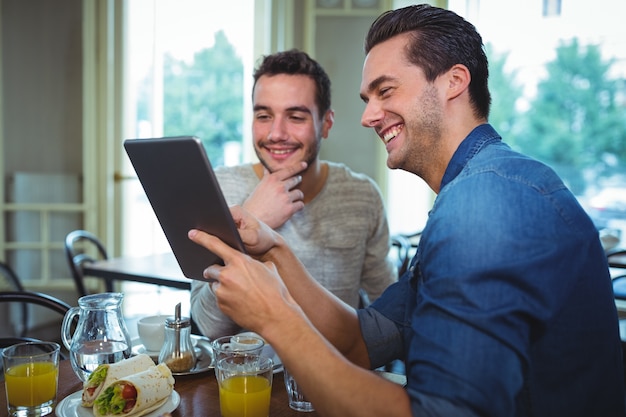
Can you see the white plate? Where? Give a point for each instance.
(139, 349)
(70, 406)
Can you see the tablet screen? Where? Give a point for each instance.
(181, 187)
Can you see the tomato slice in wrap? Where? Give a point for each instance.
(106, 374)
(137, 394)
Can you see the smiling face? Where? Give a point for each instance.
(286, 124)
(403, 108)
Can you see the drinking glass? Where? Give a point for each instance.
(297, 400)
(241, 344)
(245, 385)
(31, 373)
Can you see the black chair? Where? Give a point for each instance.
(414, 240)
(77, 256)
(38, 298)
(9, 281)
(400, 246)
(616, 258)
(33, 298)
(404, 248)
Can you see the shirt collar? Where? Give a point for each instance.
(471, 145)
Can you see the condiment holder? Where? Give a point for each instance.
(178, 352)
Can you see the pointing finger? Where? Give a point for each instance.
(213, 244)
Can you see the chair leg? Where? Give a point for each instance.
(108, 285)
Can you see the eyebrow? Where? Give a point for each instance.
(259, 107)
(374, 84)
(302, 109)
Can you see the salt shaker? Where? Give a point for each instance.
(177, 351)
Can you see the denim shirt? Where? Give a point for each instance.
(507, 308)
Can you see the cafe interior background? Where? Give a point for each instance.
(80, 76)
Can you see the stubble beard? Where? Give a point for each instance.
(423, 135)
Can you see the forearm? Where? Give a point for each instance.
(334, 385)
(333, 318)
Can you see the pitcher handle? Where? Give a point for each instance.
(67, 325)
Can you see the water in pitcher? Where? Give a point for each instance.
(93, 353)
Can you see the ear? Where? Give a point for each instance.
(458, 78)
(327, 123)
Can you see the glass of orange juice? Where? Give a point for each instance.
(245, 384)
(31, 373)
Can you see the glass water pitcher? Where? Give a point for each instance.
(100, 336)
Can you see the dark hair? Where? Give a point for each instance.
(295, 62)
(439, 39)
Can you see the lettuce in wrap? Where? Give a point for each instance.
(137, 394)
(106, 374)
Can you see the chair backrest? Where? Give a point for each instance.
(616, 258)
(77, 256)
(38, 298)
(400, 247)
(33, 298)
(9, 281)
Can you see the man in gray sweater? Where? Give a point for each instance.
(333, 218)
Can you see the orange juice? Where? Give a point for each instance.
(31, 384)
(245, 396)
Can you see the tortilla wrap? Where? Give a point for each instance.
(106, 374)
(153, 387)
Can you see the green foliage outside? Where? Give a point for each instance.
(576, 123)
(205, 98)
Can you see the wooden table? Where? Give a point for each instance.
(199, 394)
(159, 269)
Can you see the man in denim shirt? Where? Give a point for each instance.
(507, 309)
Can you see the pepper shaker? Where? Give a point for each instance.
(177, 351)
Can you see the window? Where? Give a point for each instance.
(559, 91)
(186, 65)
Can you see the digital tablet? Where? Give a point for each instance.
(180, 184)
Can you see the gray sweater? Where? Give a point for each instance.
(341, 237)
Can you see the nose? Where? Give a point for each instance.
(278, 131)
(372, 115)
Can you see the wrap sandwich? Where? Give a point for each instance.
(105, 374)
(136, 394)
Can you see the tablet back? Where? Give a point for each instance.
(180, 184)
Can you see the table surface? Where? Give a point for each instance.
(158, 269)
(199, 395)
